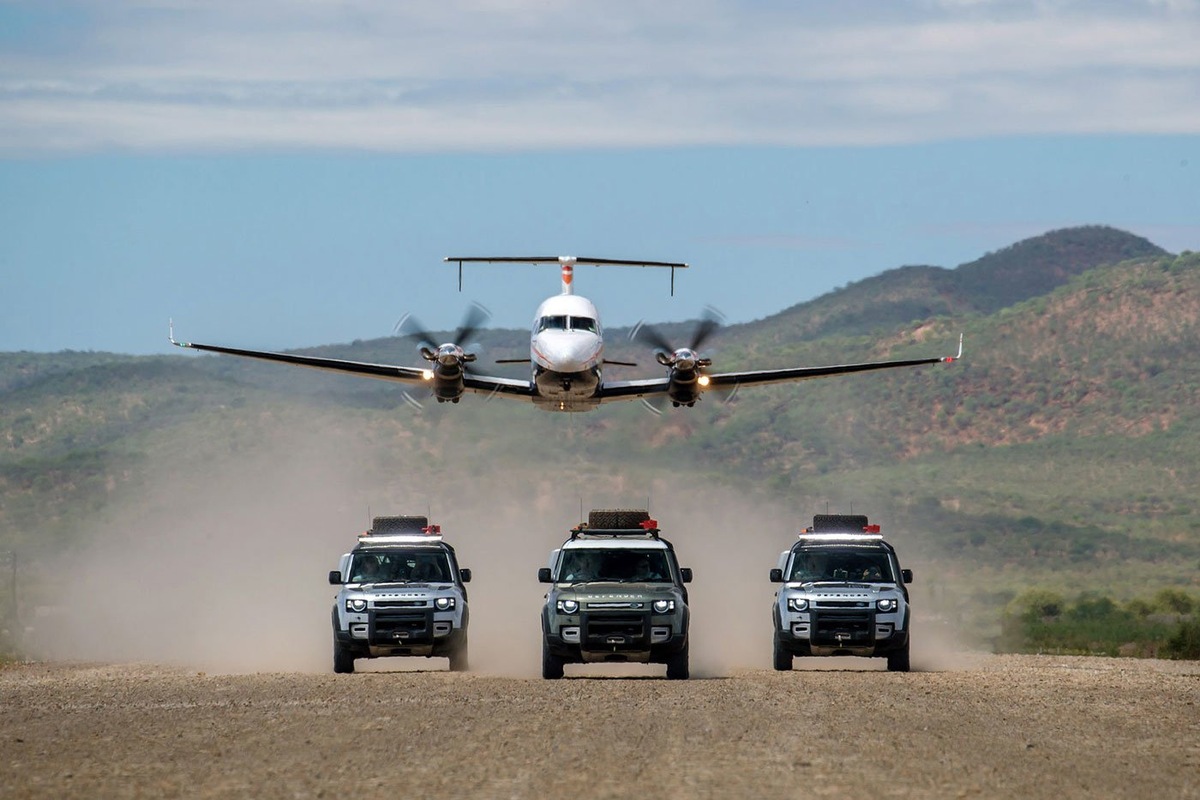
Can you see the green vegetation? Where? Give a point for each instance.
(1166, 625)
(1061, 455)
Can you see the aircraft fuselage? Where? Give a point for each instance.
(566, 349)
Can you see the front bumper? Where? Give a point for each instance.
(841, 632)
(606, 637)
(408, 632)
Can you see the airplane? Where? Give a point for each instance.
(566, 354)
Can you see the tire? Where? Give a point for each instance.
(898, 660)
(677, 666)
(403, 524)
(343, 660)
(781, 659)
(617, 518)
(458, 659)
(552, 665)
(843, 523)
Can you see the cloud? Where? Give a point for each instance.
(493, 75)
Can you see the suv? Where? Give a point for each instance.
(402, 594)
(618, 595)
(843, 594)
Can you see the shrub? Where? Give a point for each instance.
(1185, 641)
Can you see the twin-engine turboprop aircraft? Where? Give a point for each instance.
(566, 352)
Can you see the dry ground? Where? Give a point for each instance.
(1012, 726)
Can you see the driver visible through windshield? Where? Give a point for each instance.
(400, 566)
(829, 565)
(622, 566)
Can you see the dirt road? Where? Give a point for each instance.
(1029, 727)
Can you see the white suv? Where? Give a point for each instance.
(402, 594)
(843, 594)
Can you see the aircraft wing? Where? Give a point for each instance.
(509, 387)
(629, 390)
(729, 380)
(763, 376)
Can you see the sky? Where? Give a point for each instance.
(277, 174)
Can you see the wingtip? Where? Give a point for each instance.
(171, 335)
(958, 355)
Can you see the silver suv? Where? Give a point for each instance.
(843, 594)
(618, 595)
(402, 594)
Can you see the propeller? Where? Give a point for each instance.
(448, 354)
(685, 363)
(448, 359)
(687, 358)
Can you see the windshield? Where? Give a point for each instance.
(626, 566)
(561, 322)
(860, 566)
(400, 566)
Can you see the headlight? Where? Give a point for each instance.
(664, 606)
(356, 604)
(887, 604)
(798, 603)
(443, 603)
(568, 606)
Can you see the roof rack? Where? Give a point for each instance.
(428, 533)
(648, 527)
(812, 530)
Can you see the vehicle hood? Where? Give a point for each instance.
(614, 592)
(843, 591)
(401, 590)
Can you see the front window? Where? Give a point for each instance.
(400, 566)
(851, 565)
(622, 566)
(561, 322)
(584, 324)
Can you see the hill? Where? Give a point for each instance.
(1063, 449)
(900, 296)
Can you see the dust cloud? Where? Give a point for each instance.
(219, 564)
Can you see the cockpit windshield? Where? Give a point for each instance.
(836, 564)
(400, 566)
(562, 322)
(624, 566)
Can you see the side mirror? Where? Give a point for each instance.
(544, 575)
(464, 575)
(685, 574)
(777, 575)
(335, 577)
(906, 575)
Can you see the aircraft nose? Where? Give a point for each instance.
(572, 353)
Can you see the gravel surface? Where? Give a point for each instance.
(992, 726)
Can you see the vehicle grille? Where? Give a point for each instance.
(401, 603)
(850, 626)
(615, 631)
(398, 626)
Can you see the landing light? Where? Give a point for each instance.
(702, 380)
(427, 374)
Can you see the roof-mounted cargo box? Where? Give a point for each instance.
(617, 522)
